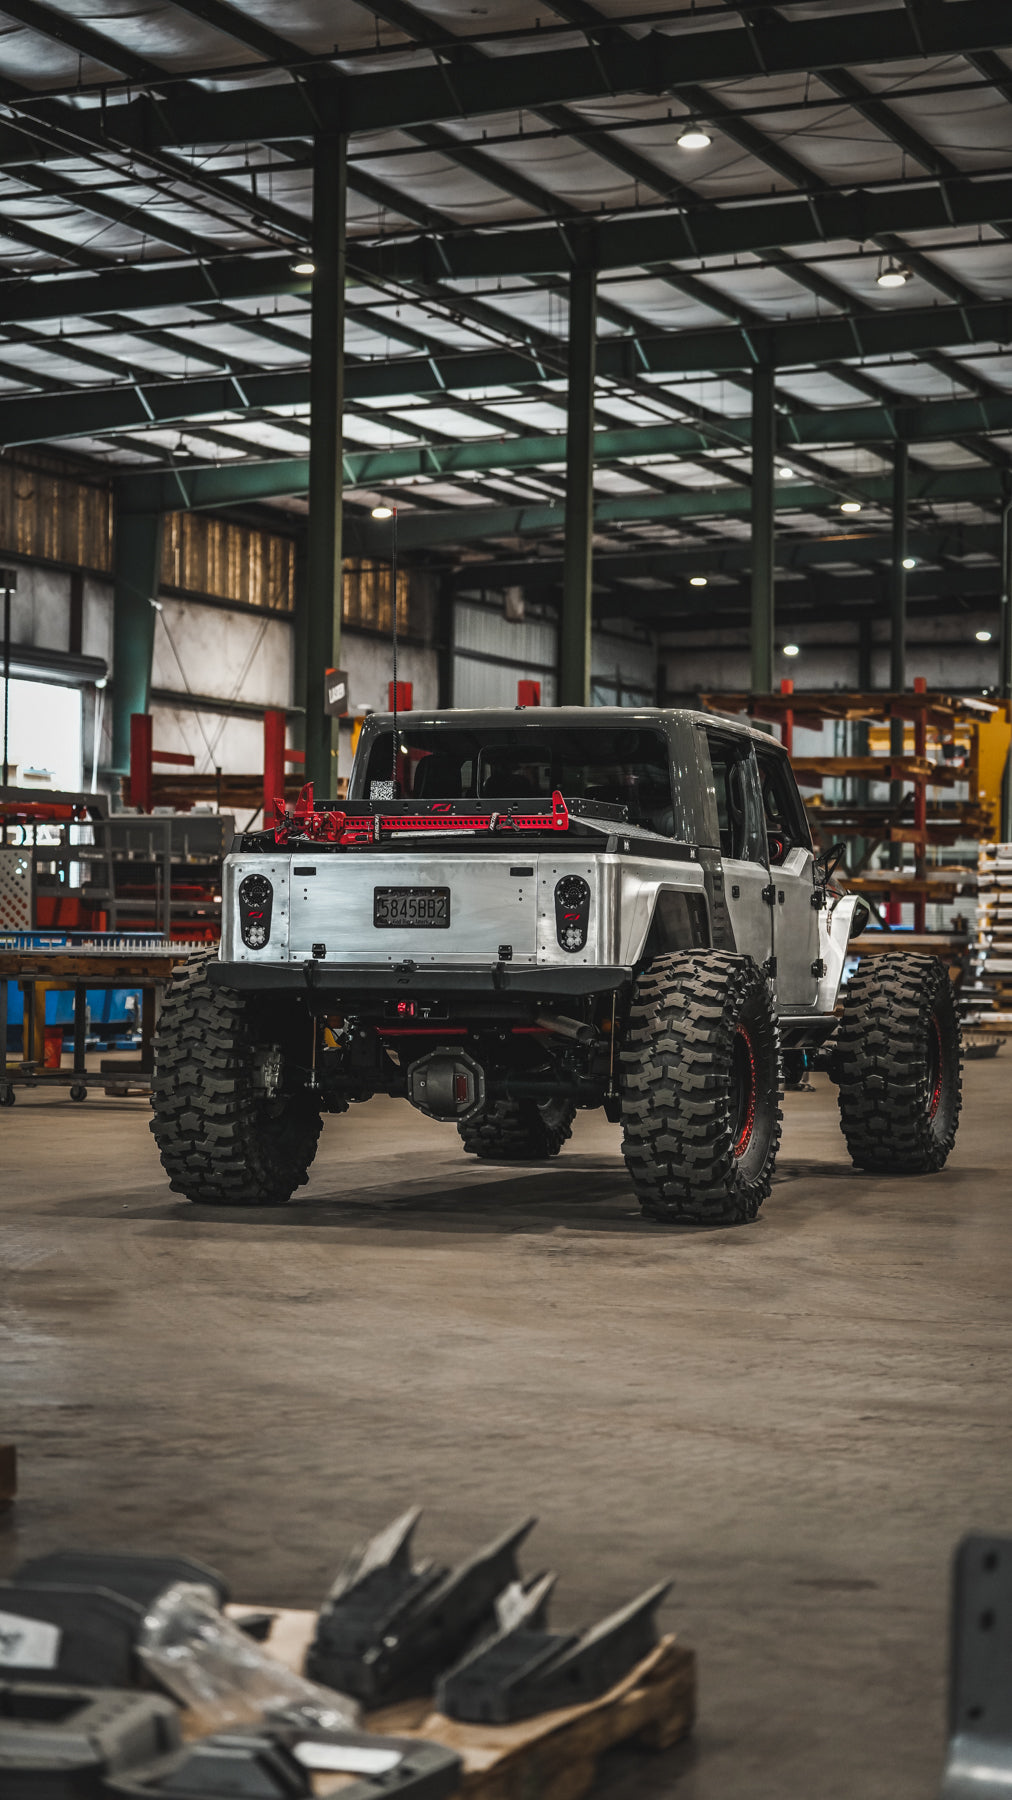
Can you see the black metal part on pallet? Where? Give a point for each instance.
(524, 1669)
(280, 1763)
(139, 1578)
(60, 1743)
(389, 1628)
(81, 1635)
(979, 1761)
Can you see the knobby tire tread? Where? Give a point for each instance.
(882, 1067)
(219, 1141)
(675, 1068)
(517, 1131)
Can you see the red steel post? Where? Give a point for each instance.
(787, 687)
(140, 789)
(274, 760)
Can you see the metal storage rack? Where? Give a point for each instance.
(986, 1000)
(139, 872)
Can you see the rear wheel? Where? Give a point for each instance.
(897, 1060)
(230, 1130)
(701, 1089)
(519, 1130)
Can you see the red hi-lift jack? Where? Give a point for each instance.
(334, 826)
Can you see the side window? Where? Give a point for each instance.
(739, 809)
(783, 808)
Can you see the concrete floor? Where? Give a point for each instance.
(795, 1421)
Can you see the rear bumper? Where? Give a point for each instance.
(347, 980)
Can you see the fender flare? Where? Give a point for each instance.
(835, 927)
(679, 920)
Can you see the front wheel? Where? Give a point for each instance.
(897, 1060)
(230, 1130)
(701, 1089)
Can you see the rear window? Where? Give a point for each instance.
(618, 767)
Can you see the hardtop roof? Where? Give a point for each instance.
(523, 718)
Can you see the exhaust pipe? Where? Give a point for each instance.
(577, 1032)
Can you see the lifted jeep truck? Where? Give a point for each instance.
(517, 914)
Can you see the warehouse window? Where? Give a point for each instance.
(226, 561)
(367, 587)
(618, 769)
(51, 514)
(739, 808)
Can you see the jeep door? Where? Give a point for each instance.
(742, 841)
(789, 847)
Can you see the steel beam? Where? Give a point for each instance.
(714, 350)
(460, 85)
(29, 419)
(320, 621)
(654, 239)
(974, 587)
(419, 530)
(137, 565)
(218, 486)
(764, 434)
(539, 574)
(574, 636)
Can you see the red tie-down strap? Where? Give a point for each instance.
(335, 827)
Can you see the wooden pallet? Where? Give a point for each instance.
(551, 1757)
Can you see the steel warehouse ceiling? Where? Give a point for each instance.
(155, 190)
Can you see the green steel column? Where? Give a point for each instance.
(137, 565)
(764, 450)
(898, 615)
(577, 586)
(320, 617)
(898, 574)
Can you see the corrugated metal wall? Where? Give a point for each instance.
(624, 671)
(491, 654)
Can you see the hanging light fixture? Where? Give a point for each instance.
(850, 506)
(303, 265)
(892, 275)
(910, 562)
(697, 580)
(982, 637)
(382, 512)
(792, 650)
(785, 474)
(693, 137)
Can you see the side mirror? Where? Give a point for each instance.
(828, 861)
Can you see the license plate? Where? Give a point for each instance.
(412, 908)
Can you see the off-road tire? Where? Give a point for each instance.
(897, 1058)
(222, 1141)
(519, 1130)
(702, 1085)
